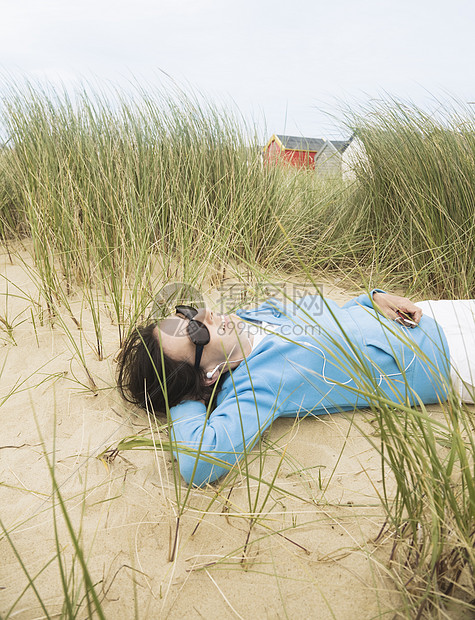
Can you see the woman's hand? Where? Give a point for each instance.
(400, 309)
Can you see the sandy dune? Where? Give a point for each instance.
(310, 552)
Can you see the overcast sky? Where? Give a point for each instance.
(289, 63)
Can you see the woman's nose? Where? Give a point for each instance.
(204, 315)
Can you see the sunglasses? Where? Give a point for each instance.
(196, 330)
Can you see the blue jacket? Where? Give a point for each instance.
(322, 359)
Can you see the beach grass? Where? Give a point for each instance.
(416, 191)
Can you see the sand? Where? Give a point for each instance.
(310, 552)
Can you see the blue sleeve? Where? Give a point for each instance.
(366, 299)
(312, 304)
(202, 440)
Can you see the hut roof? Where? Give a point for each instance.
(299, 143)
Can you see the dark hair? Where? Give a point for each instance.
(141, 374)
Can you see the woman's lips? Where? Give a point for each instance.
(226, 322)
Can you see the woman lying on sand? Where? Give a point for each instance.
(308, 357)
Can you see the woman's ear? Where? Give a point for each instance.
(210, 380)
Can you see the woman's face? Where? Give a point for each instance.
(228, 341)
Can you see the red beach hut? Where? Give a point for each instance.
(306, 152)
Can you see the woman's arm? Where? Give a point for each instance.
(388, 304)
(203, 440)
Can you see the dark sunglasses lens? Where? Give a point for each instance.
(198, 333)
(187, 311)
